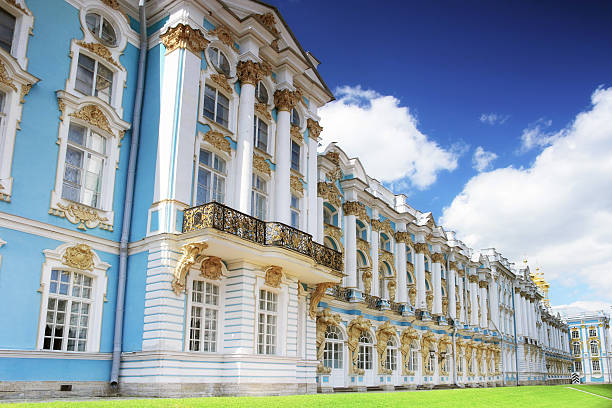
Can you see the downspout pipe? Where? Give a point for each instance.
(515, 339)
(129, 198)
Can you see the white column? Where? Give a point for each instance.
(437, 282)
(374, 255)
(483, 305)
(284, 100)
(474, 302)
(494, 302)
(320, 227)
(419, 267)
(350, 250)
(313, 201)
(244, 148)
(400, 251)
(461, 299)
(518, 313)
(452, 296)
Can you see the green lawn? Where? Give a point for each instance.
(530, 397)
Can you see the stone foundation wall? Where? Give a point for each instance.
(53, 389)
(168, 390)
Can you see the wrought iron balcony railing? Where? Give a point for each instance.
(222, 218)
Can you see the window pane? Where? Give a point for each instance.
(204, 184)
(108, 35)
(104, 83)
(85, 74)
(93, 22)
(7, 28)
(295, 156)
(209, 102)
(222, 110)
(76, 134)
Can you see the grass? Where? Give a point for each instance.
(531, 397)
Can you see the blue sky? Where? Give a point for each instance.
(533, 65)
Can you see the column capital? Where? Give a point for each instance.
(184, 36)
(249, 72)
(421, 248)
(438, 257)
(403, 236)
(314, 129)
(355, 208)
(285, 99)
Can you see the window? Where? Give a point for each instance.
(427, 264)
(592, 332)
(364, 355)
(259, 197)
(596, 365)
(594, 348)
(295, 211)
(575, 334)
(295, 117)
(408, 254)
(330, 215)
(216, 106)
(84, 165)
(413, 359)
(385, 243)
(332, 354)
(431, 362)
(459, 364)
(295, 156)
(362, 232)
(577, 365)
(7, 29)
(391, 362)
(101, 28)
(261, 93)
(219, 61)
(94, 78)
(68, 311)
(211, 178)
(576, 348)
(260, 134)
(266, 322)
(204, 316)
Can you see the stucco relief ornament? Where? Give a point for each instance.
(218, 140)
(184, 36)
(79, 256)
(329, 192)
(314, 129)
(355, 328)
(221, 80)
(25, 90)
(391, 286)
(437, 258)
(366, 276)
(249, 72)
(262, 109)
(274, 276)
(285, 99)
(84, 216)
(357, 209)
(268, 21)
(335, 233)
(412, 292)
(325, 318)
(444, 305)
(211, 268)
(407, 338)
(421, 248)
(295, 133)
(383, 333)
(101, 51)
(403, 237)
(295, 184)
(429, 300)
(316, 296)
(427, 342)
(4, 77)
(94, 116)
(191, 253)
(260, 164)
(384, 226)
(275, 44)
(409, 267)
(225, 36)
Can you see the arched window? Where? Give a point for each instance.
(260, 133)
(259, 197)
(330, 215)
(295, 117)
(219, 61)
(413, 358)
(261, 93)
(391, 362)
(362, 231)
(332, 355)
(594, 347)
(364, 356)
(431, 361)
(329, 243)
(101, 28)
(385, 242)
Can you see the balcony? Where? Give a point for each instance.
(269, 234)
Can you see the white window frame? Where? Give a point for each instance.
(213, 171)
(267, 314)
(575, 334)
(413, 359)
(282, 293)
(365, 353)
(598, 368)
(391, 358)
(256, 135)
(54, 260)
(255, 192)
(73, 105)
(574, 345)
(578, 365)
(592, 332)
(596, 344)
(300, 168)
(333, 354)
(24, 21)
(297, 210)
(194, 275)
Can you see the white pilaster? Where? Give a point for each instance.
(313, 201)
(350, 250)
(452, 295)
(244, 149)
(400, 267)
(437, 282)
(282, 192)
(419, 267)
(376, 290)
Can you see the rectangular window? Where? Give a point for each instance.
(391, 363)
(204, 316)
(260, 133)
(576, 347)
(94, 78)
(7, 29)
(575, 334)
(414, 360)
(216, 106)
(577, 366)
(84, 165)
(211, 178)
(459, 364)
(364, 357)
(266, 322)
(596, 365)
(68, 309)
(295, 211)
(592, 333)
(295, 156)
(259, 196)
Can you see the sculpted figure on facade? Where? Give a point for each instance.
(391, 286)
(427, 342)
(316, 296)
(383, 333)
(429, 300)
(366, 276)
(274, 276)
(443, 344)
(408, 338)
(355, 328)
(325, 318)
(191, 254)
(412, 292)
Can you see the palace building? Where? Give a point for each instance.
(169, 228)
(590, 345)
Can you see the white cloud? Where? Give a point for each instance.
(536, 135)
(558, 212)
(482, 160)
(583, 306)
(494, 118)
(385, 137)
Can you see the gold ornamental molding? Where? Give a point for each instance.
(21, 8)
(437, 257)
(274, 44)
(452, 265)
(383, 226)
(249, 72)
(211, 268)
(86, 217)
(314, 129)
(410, 267)
(25, 90)
(325, 318)
(391, 287)
(260, 164)
(4, 77)
(186, 37)
(225, 36)
(101, 51)
(295, 184)
(386, 256)
(285, 99)
(427, 341)
(408, 337)
(295, 133)
(329, 192)
(403, 237)
(483, 284)
(80, 257)
(191, 253)
(221, 80)
(262, 109)
(274, 276)
(335, 233)
(421, 248)
(316, 296)
(357, 209)
(94, 116)
(384, 332)
(412, 292)
(354, 330)
(218, 140)
(366, 277)
(268, 21)
(334, 157)
(473, 278)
